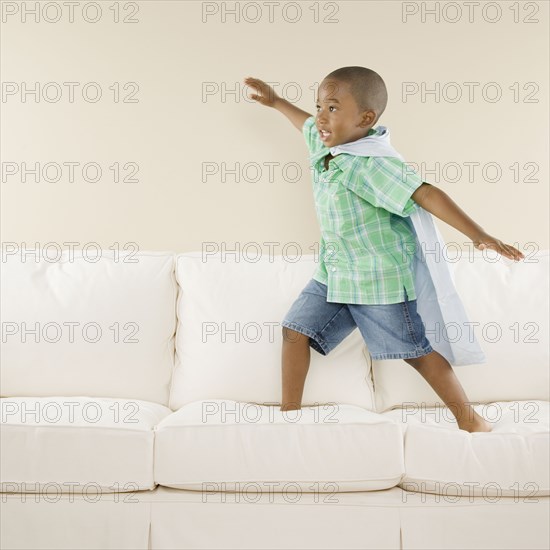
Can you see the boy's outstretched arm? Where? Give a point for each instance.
(266, 95)
(437, 202)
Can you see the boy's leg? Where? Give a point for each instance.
(295, 365)
(296, 352)
(437, 371)
(390, 330)
(311, 322)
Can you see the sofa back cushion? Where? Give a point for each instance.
(89, 325)
(507, 303)
(229, 337)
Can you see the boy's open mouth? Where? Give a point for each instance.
(324, 135)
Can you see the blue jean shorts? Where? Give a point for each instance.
(391, 331)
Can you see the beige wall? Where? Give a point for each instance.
(179, 122)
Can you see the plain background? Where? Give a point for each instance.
(176, 128)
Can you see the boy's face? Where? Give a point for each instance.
(338, 114)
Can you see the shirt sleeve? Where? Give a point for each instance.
(385, 182)
(311, 135)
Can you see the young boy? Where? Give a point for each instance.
(370, 282)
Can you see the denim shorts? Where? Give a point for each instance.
(391, 331)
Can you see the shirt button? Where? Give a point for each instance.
(333, 269)
(335, 198)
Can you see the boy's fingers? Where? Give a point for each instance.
(517, 254)
(513, 253)
(509, 254)
(502, 248)
(506, 251)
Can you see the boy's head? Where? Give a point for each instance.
(349, 103)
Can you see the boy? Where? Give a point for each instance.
(362, 206)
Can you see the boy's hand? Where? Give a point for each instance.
(485, 240)
(265, 94)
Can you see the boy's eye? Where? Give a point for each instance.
(330, 106)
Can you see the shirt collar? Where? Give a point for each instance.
(342, 159)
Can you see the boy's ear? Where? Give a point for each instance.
(369, 118)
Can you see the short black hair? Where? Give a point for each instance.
(366, 86)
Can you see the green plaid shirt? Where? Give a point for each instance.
(367, 247)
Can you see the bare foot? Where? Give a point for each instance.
(479, 424)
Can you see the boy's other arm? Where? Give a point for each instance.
(437, 202)
(266, 95)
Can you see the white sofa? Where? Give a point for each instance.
(140, 400)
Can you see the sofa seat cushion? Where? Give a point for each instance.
(77, 444)
(511, 460)
(229, 335)
(214, 445)
(77, 326)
